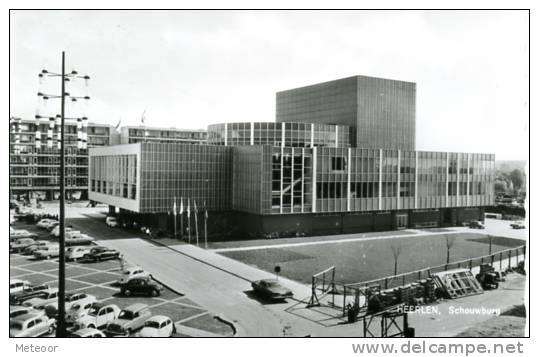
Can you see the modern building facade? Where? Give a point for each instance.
(35, 166)
(138, 134)
(352, 168)
(381, 112)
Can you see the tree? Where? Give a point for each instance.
(500, 186)
(449, 242)
(397, 250)
(517, 177)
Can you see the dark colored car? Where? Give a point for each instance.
(101, 253)
(270, 288)
(476, 225)
(141, 286)
(29, 292)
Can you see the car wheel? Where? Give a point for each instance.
(50, 330)
(128, 332)
(127, 292)
(155, 293)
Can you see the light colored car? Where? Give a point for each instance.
(72, 299)
(31, 325)
(45, 222)
(56, 230)
(77, 252)
(158, 326)
(87, 332)
(52, 225)
(20, 233)
(20, 244)
(133, 272)
(47, 251)
(129, 320)
(111, 221)
(47, 297)
(99, 316)
(79, 239)
(78, 310)
(17, 310)
(17, 285)
(518, 225)
(29, 250)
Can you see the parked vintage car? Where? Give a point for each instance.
(130, 319)
(517, 225)
(98, 316)
(476, 225)
(133, 272)
(18, 310)
(47, 251)
(87, 332)
(29, 250)
(101, 253)
(28, 292)
(45, 222)
(19, 244)
(17, 285)
(158, 326)
(141, 286)
(272, 289)
(47, 297)
(111, 221)
(31, 325)
(70, 300)
(76, 252)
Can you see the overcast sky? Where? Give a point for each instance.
(190, 69)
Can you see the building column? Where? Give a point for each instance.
(252, 133)
(416, 177)
(349, 174)
(336, 136)
(312, 135)
(447, 179)
(398, 179)
(468, 182)
(458, 181)
(380, 182)
(281, 188)
(283, 134)
(226, 134)
(314, 179)
(292, 183)
(302, 177)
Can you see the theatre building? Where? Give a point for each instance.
(334, 174)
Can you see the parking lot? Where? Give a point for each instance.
(100, 280)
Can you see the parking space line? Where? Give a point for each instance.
(192, 317)
(186, 305)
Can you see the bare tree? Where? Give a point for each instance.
(397, 250)
(449, 242)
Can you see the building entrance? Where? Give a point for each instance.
(402, 220)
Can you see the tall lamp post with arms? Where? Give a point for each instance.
(65, 77)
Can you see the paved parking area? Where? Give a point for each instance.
(99, 279)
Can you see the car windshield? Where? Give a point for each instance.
(272, 284)
(152, 324)
(75, 307)
(93, 311)
(126, 315)
(16, 325)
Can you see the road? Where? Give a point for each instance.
(222, 285)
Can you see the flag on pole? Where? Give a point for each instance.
(118, 125)
(143, 118)
(174, 206)
(181, 205)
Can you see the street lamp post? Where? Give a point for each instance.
(61, 323)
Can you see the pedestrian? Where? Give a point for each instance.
(122, 262)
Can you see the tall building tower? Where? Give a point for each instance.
(380, 112)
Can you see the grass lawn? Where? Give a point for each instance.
(365, 260)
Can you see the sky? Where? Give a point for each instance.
(188, 69)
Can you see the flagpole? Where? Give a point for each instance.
(181, 217)
(205, 226)
(189, 219)
(196, 221)
(175, 214)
